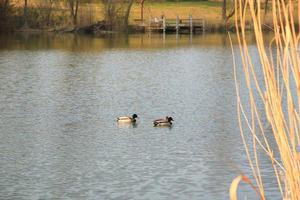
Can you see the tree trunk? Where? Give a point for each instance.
(25, 14)
(71, 5)
(49, 12)
(74, 10)
(229, 16)
(225, 17)
(142, 10)
(224, 11)
(126, 17)
(117, 14)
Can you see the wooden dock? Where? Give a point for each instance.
(177, 25)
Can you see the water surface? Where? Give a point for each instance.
(60, 95)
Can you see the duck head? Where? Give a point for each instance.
(170, 119)
(134, 116)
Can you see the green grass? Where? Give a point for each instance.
(209, 10)
(92, 12)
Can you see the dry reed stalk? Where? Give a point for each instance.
(279, 91)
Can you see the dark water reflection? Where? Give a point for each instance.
(60, 95)
(71, 42)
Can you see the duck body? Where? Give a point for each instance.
(127, 119)
(163, 122)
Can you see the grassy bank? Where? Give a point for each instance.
(210, 11)
(89, 13)
(92, 12)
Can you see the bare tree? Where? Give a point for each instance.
(25, 14)
(49, 12)
(224, 5)
(73, 5)
(225, 16)
(142, 9)
(117, 13)
(45, 15)
(110, 13)
(127, 13)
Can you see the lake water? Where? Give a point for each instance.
(60, 96)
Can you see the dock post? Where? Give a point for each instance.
(191, 23)
(177, 24)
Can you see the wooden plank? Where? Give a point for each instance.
(177, 24)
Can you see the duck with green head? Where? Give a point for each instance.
(163, 122)
(127, 119)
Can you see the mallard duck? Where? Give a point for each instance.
(127, 119)
(163, 122)
(162, 119)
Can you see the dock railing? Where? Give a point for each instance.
(177, 25)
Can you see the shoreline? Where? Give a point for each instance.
(100, 28)
(132, 29)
